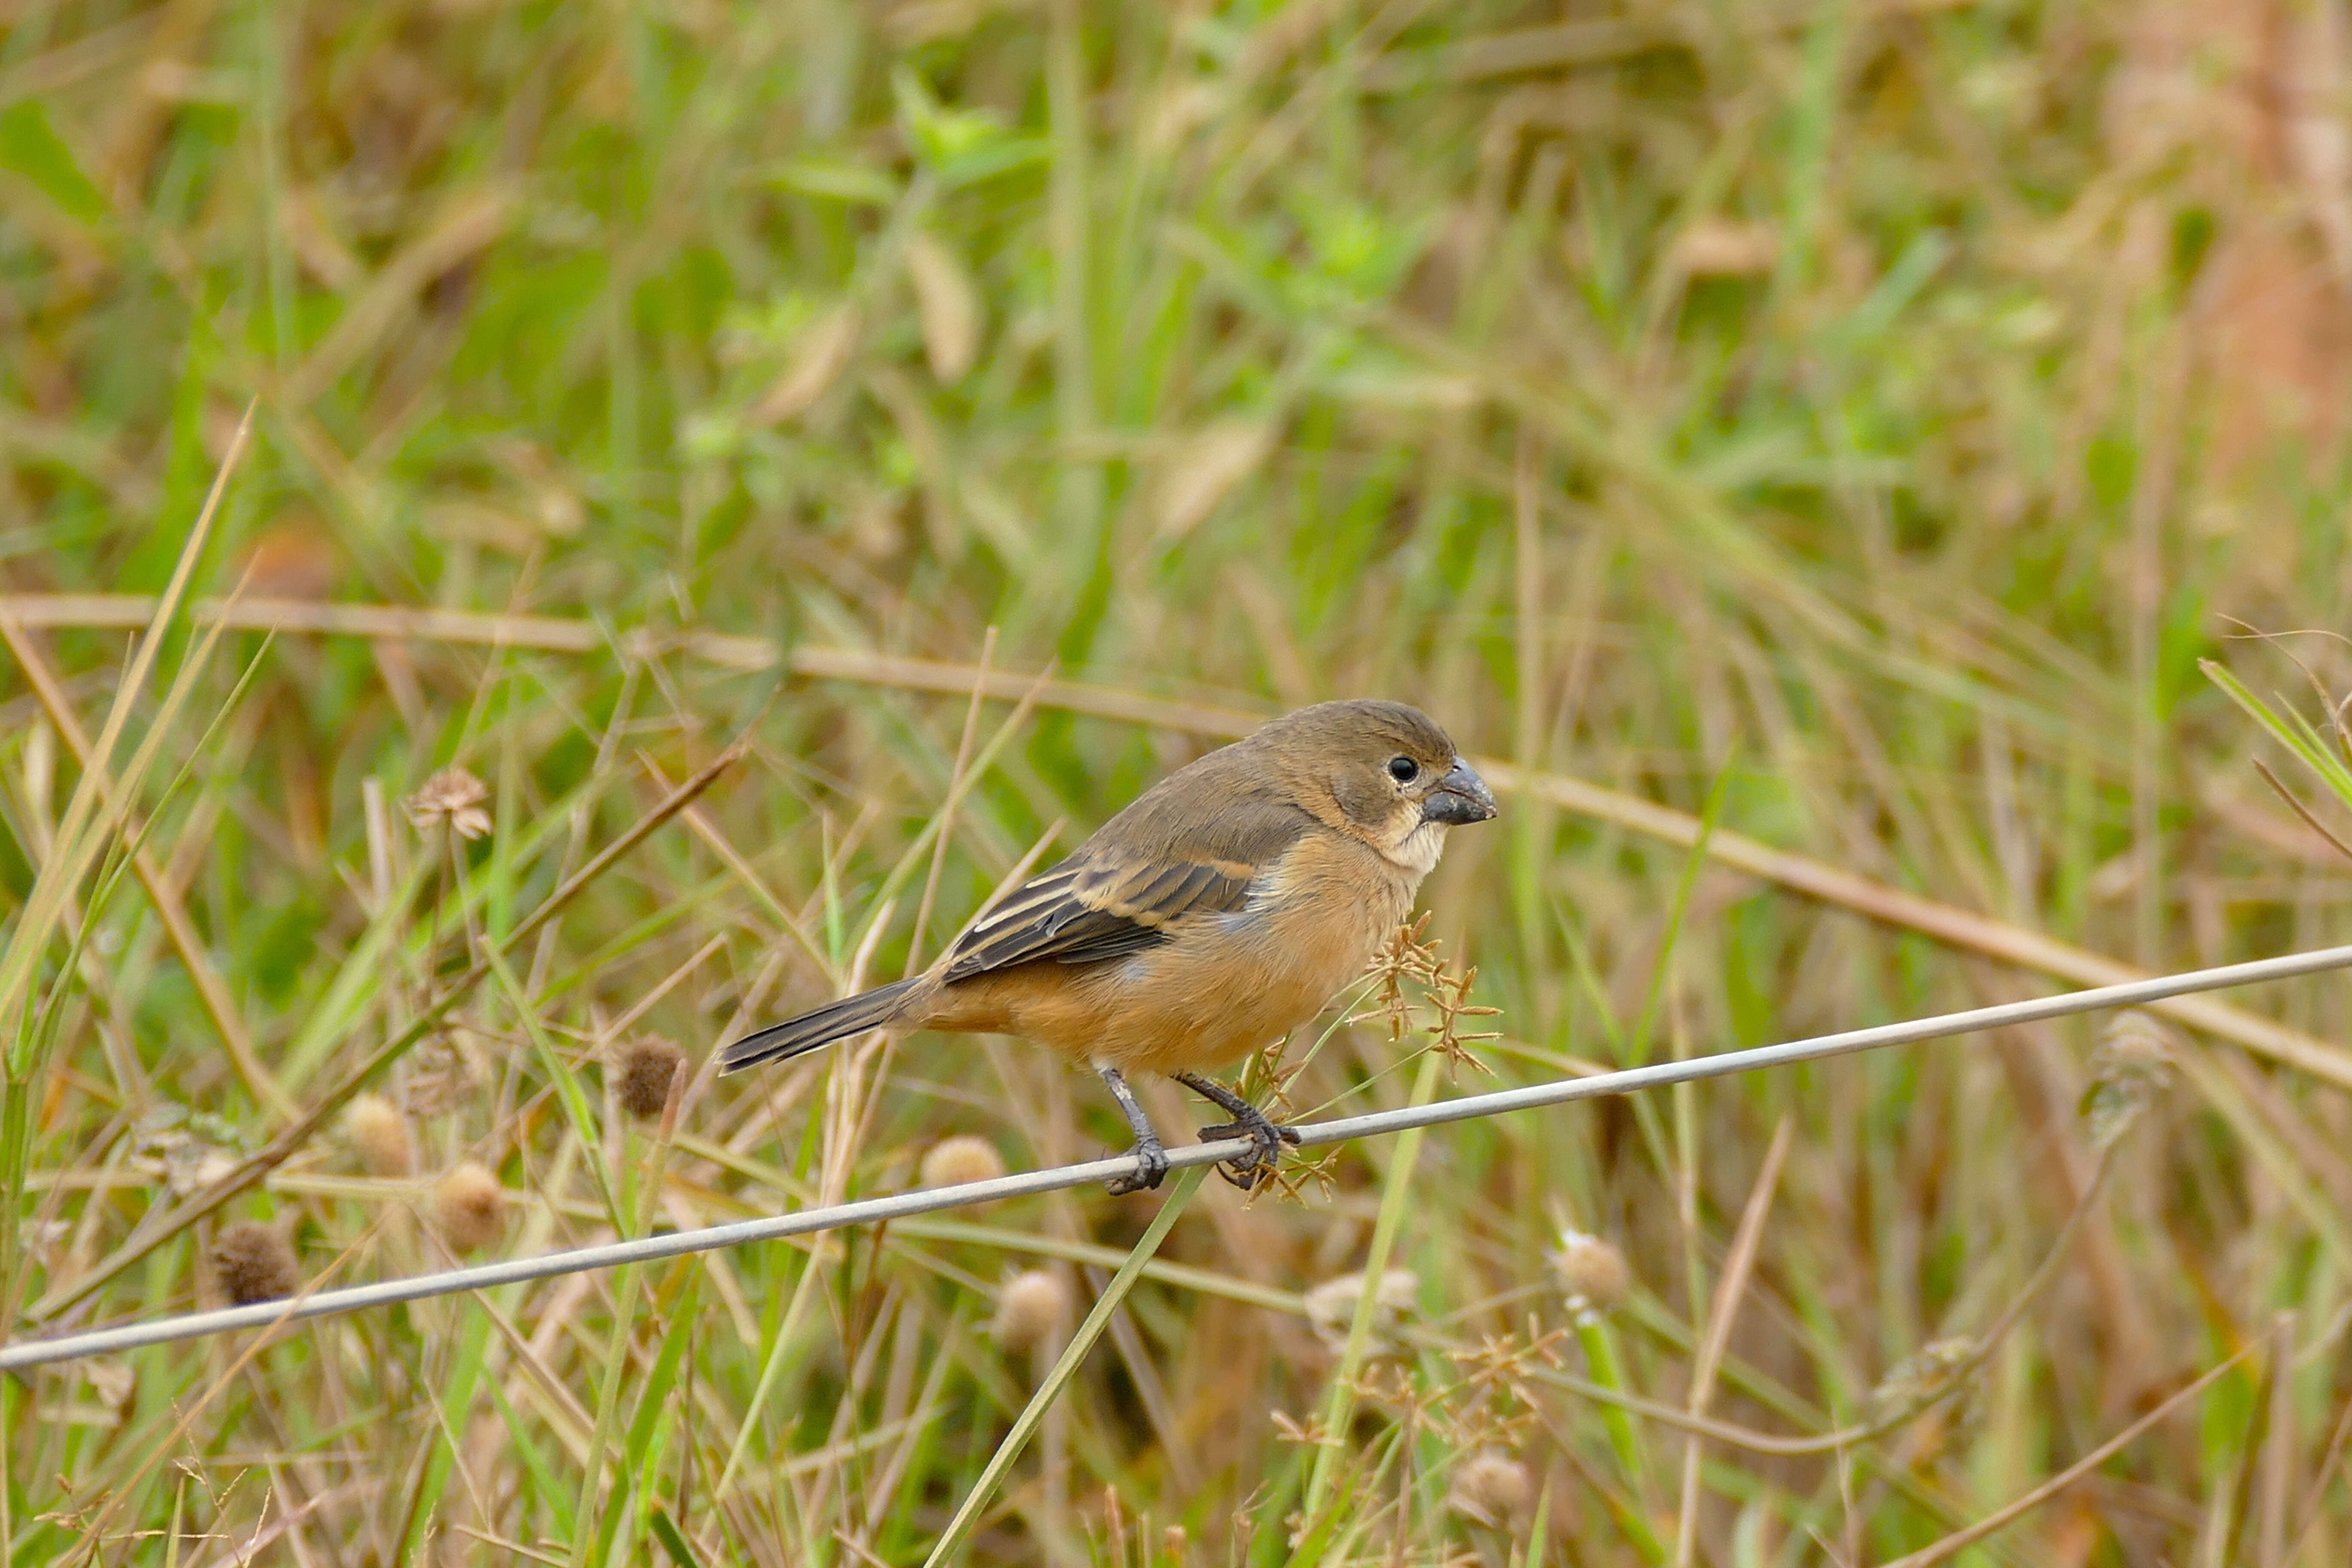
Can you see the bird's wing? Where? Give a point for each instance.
(1121, 891)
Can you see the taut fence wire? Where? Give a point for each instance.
(869, 1211)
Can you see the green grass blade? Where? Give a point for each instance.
(672, 1542)
(2289, 728)
(538, 1473)
(1340, 1403)
(1073, 1356)
(78, 838)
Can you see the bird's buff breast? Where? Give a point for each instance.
(1223, 984)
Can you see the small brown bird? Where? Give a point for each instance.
(1217, 912)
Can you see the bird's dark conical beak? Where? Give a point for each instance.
(1460, 797)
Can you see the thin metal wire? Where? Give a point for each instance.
(646, 1249)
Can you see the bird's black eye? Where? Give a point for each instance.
(1404, 770)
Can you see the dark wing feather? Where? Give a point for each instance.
(1121, 892)
(1088, 913)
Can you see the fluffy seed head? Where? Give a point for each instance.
(255, 1263)
(951, 1162)
(380, 1133)
(642, 1069)
(1491, 1488)
(1331, 1308)
(1592, 1275)
(470, 1208)
(2134, 1042)
(1032, 1310)
(1924, 1376)
(2130, 1071)
(452, 798)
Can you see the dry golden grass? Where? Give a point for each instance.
(1810, 446)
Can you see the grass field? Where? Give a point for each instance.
(1848, 424)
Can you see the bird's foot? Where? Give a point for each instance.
(1150, 1159)
(1266, 1137)
(1150, 1169)
(1247, 1170)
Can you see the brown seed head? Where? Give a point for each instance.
(951, 1162)
(1032, 1310)
(1592, 1275)
(452, 798)
(1491, 1488)
(470, 1208)
(380, 1133)
(643, 1069)
(255, 1263)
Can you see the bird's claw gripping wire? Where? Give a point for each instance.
(1247, 1170)
(1150, 1169)
(1266, 1135)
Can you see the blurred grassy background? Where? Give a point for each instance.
(1855, 419)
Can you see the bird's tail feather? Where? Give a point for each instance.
(809, 1031)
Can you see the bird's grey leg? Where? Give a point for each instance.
(1248, 1121)
(1151, 1160)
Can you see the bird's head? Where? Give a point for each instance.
(1379, 772)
